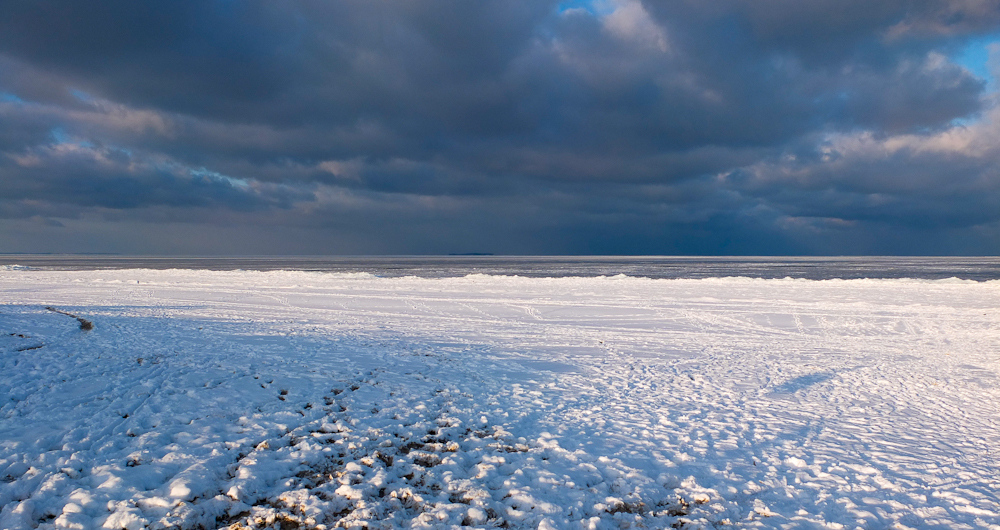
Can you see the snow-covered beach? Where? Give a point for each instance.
(285, 399)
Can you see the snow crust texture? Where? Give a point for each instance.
(287, 400)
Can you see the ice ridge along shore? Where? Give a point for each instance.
(305, 400)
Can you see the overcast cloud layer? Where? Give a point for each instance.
(535, 127)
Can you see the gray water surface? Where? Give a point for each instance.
(814, 268)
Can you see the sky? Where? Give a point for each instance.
(575, 127)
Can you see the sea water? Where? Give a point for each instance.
(813, 268)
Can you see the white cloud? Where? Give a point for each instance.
(630, 22)
(345, 169)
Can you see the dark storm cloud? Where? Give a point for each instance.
(608, 126)
(81, 174)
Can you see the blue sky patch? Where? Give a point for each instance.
(975, 57)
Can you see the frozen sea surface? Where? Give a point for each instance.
(214, 399)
